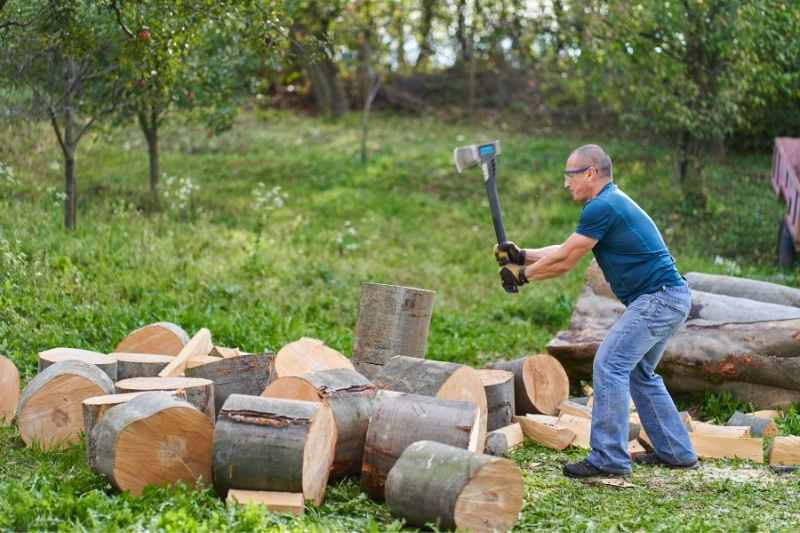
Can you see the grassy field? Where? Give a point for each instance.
(266, 234)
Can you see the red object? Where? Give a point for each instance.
(785, 173)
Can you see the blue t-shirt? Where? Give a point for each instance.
(629, 249)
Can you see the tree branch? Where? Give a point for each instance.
(54, 122)
(121, 22)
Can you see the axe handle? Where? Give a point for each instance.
(494, 204)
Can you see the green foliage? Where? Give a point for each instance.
(789, 423)
(718, 407)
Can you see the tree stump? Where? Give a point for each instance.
(349, 395)
(392, 320)
(140, 365)
(244, 374)
(454, 489)
(199, 392)
(759, 427)
(540, 383)
(50, 408)
(9, 390)
(153, 439)
(271, 444)
(307, 355)
(104, 362)
(399, 419)
(161, 338)
(499, 387)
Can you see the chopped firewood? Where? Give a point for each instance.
(686, 418)
(9, 390)
(499, 387)
(504, 439)
(221, 351)
(772, 414)
(104, 362)
(162, 338)
(276, 502)
(307, 355)
(785, 451)
(198, 346)
(540, 383)
(140, 365)
(244, 374)
(543, 419)
(199, 392)
(759, 427)
(634, 448)
(716, 447)
(547, 435)
(575, 409)
(582, 427)
(734, 432)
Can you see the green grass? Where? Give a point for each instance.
(259, 276)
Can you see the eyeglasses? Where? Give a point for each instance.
(569, 173)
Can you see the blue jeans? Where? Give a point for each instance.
(625, 363)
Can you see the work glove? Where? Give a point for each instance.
(509, 252)
(512, 276)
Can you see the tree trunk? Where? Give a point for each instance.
(540, 383)
(148, 122)
(426, 25)
(499, 387)
(690, 171)
(245, 374)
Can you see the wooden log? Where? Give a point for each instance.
(400, 419)
(199, 392)
(161, 338)
(221, 351)
(581, 426)
(392, 320)
(761, 291)
(198, 346)
(771, 414)
(759, 427)
(154, 439)
(349, 395)
(201, 360)
(716, 447)
(50, 408)
(540, 383)
(440, 379)
(635, 448)
(140, 365)
(9, 390)
(451, 488)
(104, 362)
(505, 439)
(733, 432)
(499, 388)
(547, 435)
(276, 502)
(307, 355)
(274, 444)
(785, 451)
(245, 374)
(574, 409)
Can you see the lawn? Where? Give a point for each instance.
(266, 234)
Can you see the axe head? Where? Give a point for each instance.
(475, 154)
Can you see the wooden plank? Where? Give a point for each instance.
(785, 451)
(198, 346)
(582, 427)
(734, 432)
(716, 447)
(553, 437)
(277, 502)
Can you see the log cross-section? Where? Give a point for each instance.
(9, 390)
(540, 383)
(164, 338)
(243, 374)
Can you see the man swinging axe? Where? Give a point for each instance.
(642, 274)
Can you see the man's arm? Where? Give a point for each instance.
(558, 259)
(534, 254)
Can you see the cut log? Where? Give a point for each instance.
(273, 444)
(634, 448)
(198, 346)
(716, 447)
(499, 388)
(50, 412)
(785, 451)
(547, 435)
(400, 419)
(440, 379)
(733, 432)
(543, 419)
(451, 488)
(199, 392)
(307, 355)
(771, 414)
(161, 338)
(9, 390)
(582, 427)
(349, 395)
(104, 362)
(201, 360)
(245, 374)
(505, 439)
(540, 383)
(221, 351)
(153, 439)
(391, 321)
(761, 291)
(276, 502)
(140, 365)
(574, 409)
(759, 427)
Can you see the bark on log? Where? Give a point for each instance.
(140, 365)
(9, 390)
(759, 427)
(349, 395)
(198, 346)
(391, 321)
(275, 502)
(161, 338)
(540, 383)
(154, 439)
(454, 488)
(307, 355)
(104, 362)
(785, 451)
(245, 374)
(761, 291)
(400, 419)
(503, 440)
(499, 388)
(50, 408)
(199, 392)
(274, 445)
(440, 379)
(222, 351)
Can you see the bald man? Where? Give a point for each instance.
(642, 274)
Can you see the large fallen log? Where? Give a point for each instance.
(761, 291)
(140, 365)
(199, 392)
(164, 338)
(244, 374)
(433, 483)
(307, 355)
(499, 387)
(540, 383)
(104, 362)
(9, 390)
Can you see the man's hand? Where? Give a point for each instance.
(509, 252)
(512, 276)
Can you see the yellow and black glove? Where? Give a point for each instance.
(509, 252)
(512, 276)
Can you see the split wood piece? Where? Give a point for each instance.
(350, 395)
(447, 381)
(547, 435)
(161, 338)
(543, 419)
(785, 451)
(582, 427)
(307, 355)
(452, 488)
(221, 351)
(199, 391)
(716, 447)
(9, 390)
(392, 320)
(154, 439)
(771, 414)
(759, 427)
(200, 361)
(761, 291)
(399, 419)
(276, 502)
(140, 365)
(245, 374)
(504, 439)
(540, 383)
(198, 346)
(733, 432)
(274, 444)
(634, 448)
(104, 362)
(575, 409)
(499, 388)
(50, 412)
(642, 437)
